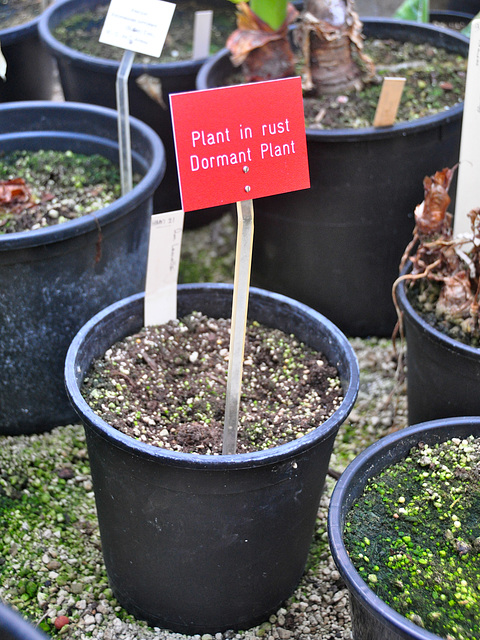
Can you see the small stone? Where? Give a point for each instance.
(60, 622)
(76, 587)
(89, 620)
(446, 86)
(284, 634)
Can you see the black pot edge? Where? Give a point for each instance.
(57, 49)
(367, 464)
(74, 375)
(10, 35)
(445, 14)
(89, 222)
(346, 135)
(434, 335)
(16, 626)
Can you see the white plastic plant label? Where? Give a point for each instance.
(468, 191)
(139, 26)
(162, 267)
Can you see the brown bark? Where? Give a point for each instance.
(263, 53)
(330, 30)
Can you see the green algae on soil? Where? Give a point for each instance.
(414, 537)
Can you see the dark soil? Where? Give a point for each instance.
(423, 296)
(166, 386)
(414, 537)
(81, 32)
(435, 81)
(15, 12)
(58, 186)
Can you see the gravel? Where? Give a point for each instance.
(50, 552)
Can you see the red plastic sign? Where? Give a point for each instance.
(240, 142)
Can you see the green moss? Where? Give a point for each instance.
(418, 524)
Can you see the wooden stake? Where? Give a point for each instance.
(243, 261)
(389, 102)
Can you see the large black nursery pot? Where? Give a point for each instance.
(443, 374)
(372, 619)
(14, 627)
(30, 68)
(85, 78)
(54, 278)
(200, 543)
(337, 245)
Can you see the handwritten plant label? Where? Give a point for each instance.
(139, 26)
(162, 267)
(240, 142)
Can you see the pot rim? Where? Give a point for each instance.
(12, 622)
(422, 325)
(9, 35)
(343, 497)
(59, 49)
(117, 209)
(74, 378)
(438, 14)
(411, 127)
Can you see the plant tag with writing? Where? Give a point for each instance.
(389, 101)
(162, 267)
(468, 189)
(202, 33)
(241, 142)
(139, 26)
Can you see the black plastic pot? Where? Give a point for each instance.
(442, 374)
(199, 543)
(30, 68)
(15, 627)
(53, 279)
(88, 79)
(471, 7)
(337, 245)
(447, 18)
(372, 619)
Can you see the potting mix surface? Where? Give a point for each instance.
(44, 188)
(423, 295)
(166, 386)
(82, 31)
(435, 81)
(414, 537)
(16, 12)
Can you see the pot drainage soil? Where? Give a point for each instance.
(81, 32)
(16, 12)
(166, 386)
(414, 537)
(43, 188)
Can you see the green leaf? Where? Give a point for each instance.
(466, 31)
(417, 10)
